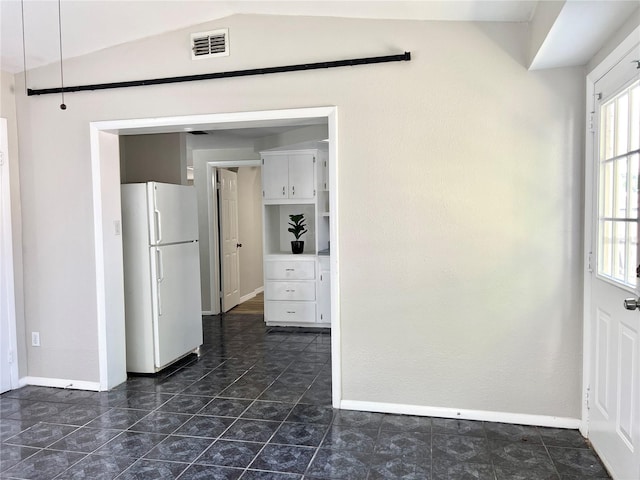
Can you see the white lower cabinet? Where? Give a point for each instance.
(297, 291)
(290, 291)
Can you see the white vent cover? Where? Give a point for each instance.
(210, 44)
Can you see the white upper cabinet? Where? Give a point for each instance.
(302, 183)
(275, 177)
(288, 176)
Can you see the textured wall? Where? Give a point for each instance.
(460, 200)
(250, 229)
(200, 159)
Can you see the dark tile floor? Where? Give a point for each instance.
(257, 405)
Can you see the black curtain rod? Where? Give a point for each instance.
(406, 56)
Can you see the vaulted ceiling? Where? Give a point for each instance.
(579, 29)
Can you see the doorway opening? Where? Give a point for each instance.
(107, 216)
(243, 279)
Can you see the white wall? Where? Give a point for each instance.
(460, 192)
(250, 229)
(200, 159)
(8, 92)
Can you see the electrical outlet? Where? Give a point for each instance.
(35, 339)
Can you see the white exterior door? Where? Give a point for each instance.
(230, 264)
(8, 377)
(614, 370)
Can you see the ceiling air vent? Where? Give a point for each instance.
(210, 44)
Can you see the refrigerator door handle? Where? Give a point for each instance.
(156, 212)
(160, 270)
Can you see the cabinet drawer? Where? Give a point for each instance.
(295, 312)
(290, 270)
(290, 291)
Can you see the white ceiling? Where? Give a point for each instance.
(88, 26)
(579, 32)
(91, 25)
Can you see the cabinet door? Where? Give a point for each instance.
(301, 176)
(324, 172)
(275, 175)
(324, 297)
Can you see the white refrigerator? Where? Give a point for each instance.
(161, 274)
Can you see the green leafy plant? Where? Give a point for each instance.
(298, 227)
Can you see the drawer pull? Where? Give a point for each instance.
(290, 291)
(290, 312)
(289, 269)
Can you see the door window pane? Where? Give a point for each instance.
(605, 248)
(634, 173)
(634, 118)
(618, 186)
(606, 190)
(621, 188)
(622, 125)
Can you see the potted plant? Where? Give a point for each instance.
(298, 228)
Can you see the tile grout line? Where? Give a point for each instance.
(240, 415)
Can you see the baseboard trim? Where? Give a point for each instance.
(60, 383)
(483, 415)
(249, 296)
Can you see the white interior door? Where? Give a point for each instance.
(614, 404)
(8, 374)
(230, 264)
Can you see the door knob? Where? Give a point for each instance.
(631, 303)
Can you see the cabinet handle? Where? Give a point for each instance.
(284, 192)
(293, 189)
(290, 312)
(289, 269)
(290, 291)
